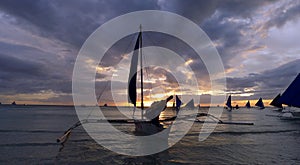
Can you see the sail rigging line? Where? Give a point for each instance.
(141, 68)
(152, 42)
(148, 77)
(148, 36)
(129, 45)
(100, 94)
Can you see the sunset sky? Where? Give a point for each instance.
(258, 42)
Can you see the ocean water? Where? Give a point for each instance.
(29, 133)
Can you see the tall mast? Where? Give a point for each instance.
(141, 64)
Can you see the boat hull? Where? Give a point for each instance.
(296, 113)
(291, 113)
(147, 128)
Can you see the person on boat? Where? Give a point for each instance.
(237, 107)
(155, 112)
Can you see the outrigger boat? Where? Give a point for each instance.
(149, 123)
(291, 97)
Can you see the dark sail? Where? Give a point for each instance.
(276, 102)
(178, 102)
(133, 73)
(228, 103)
(260, 103)
(291, 95)
(248, 104)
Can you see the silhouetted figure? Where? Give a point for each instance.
(237, 107)
(13, 103)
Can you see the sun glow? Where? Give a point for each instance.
(188, 62)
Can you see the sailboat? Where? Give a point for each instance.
(291, 97)
(228, 103)
(178, 104)
(260, 104)
(248, 104)
(13, 103)
(275, 102)
(149, 122)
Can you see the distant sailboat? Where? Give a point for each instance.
(291, 97)
(275, 102)
(248, 104)
(228, 103)
(178, 104)
(260, 104)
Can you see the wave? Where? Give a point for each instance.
(28, 144)
(31, 131)
(255, 132)
(249, 132)
(81, 140)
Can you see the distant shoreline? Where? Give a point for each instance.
(45, 105)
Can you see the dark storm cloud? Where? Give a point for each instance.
(23, 76)
(70, 21)
(268, 83)
(11, 67)
(228, 25)
(196, 10)
(239, 84)
(73, 21)
(201, 10)
(280, 78)
(228, 34)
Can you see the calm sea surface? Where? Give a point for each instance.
(28, 136)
